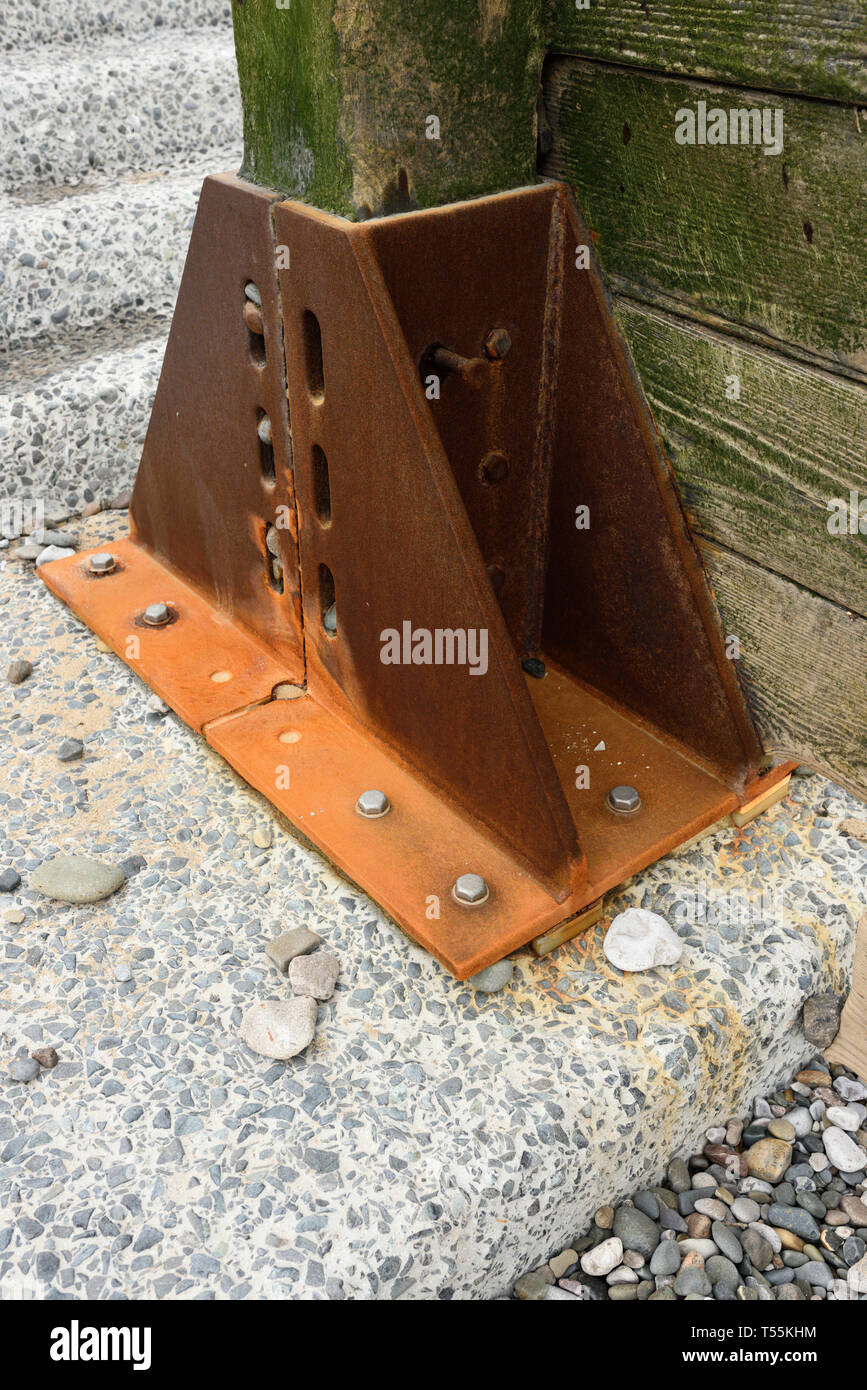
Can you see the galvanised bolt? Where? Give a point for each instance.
(251, 291)
(263, 429)
(497, 344)
(272, 541)
(624, 800)
(372, 804)
(329, 619)
(470, 890)
(103, 563)
(156, 615)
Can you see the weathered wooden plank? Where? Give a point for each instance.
(370, 106)
(760, 445)
(803, 664)
(775, 242)
(850, 1044)
(811, 46)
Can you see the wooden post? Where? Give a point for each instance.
(365, 107)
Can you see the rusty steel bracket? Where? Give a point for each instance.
(405, 466)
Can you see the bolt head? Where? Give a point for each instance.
(372, 804)
(624, 800)
(471, 889)
(103, 563)
(156, 614)
(329, 619)
(263, 429)
(497, 344)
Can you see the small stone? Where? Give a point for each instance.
(157, 707)
(710, 1206)
(53, 552)
(854, 1208)
(810, 1076)
(560, 1263)
(727, 1239)
(633, 1260)
(768, 1159)
(280, 1028)
(603, 1258)
(758, 1249)
(665, 1258)
(692, 1281)
(46, 1057)
(289, 944)
(622, 1275)
(493, 977)
(846, 1117)
(9, 881)
(531, 1288)
(821, 1019)
(678, 1176)
(705, 1248)
(18, 671)
(850, 1089)
(74, 879)
(640, 940)
(262, 835)
(843, 1152)
(69, 750)
(817, 1273)
(23, 1069)
(818, 1162)
(315, 975)
(720, 1270)
(745, 1210)
(782, 1129)
(604, 1218)
(636, 1231)
(856, 1277)
(122, 973)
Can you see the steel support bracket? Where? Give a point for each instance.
(405, 465)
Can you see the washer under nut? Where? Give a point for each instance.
(372, 805)
(624, 800)
(470, 890)
(156, 614)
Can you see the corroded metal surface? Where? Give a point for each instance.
(454, 389)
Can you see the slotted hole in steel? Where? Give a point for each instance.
(312, 338)
(321, 486)
(327, 601)
(256, 343)
(273, 562)
(266, 453)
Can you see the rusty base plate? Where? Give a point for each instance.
(312, 765)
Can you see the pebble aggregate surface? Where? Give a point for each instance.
(433, 1138)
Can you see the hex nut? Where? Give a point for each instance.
(470, 890)
(103, 563)
(156, 615)
(373, 804)
(624, 800)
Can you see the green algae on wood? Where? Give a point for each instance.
(339, 97)
(818, 47)
(775, 242)
(760, 446)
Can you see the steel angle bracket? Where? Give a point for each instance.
(405, 467)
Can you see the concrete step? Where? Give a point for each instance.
(114, 253)
(73, 113)
(73, 418)
(28, 22)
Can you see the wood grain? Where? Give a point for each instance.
(815, 46)
(772, 242)
(756, 473)
(850, 1045)
(803, 666)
